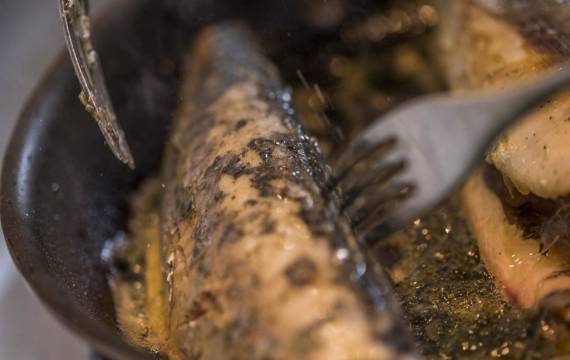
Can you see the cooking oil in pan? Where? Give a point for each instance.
(136, 276)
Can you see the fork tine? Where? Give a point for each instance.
(385, 224)
(358, 152)
(360, 181)
(382, 230)
(370, 206)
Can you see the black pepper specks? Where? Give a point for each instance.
(240, 124)
(301, 272)
(183, 203)
(205, 302)
(267, 226)
(232, 234)
(251, 202)
(234, 168)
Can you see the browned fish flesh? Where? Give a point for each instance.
(518, 205)
(258, 262)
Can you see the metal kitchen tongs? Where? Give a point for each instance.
(94, 95)
(408, 161)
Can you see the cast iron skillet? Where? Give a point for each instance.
(63, 194)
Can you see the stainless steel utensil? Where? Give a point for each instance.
(409, 160)
(94, 95)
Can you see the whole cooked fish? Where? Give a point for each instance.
(258, 262)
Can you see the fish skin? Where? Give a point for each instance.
(498, 51)
(544, 24)
(258, 263)
(501, 47)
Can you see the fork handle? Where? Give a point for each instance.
(513, 104)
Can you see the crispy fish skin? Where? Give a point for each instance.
(258, 265)
(498, 47)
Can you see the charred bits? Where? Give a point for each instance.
(232, 234)
(240, 124)
(301, 272)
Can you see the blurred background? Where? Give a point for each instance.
(30, 39)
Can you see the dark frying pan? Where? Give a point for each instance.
(63, 194)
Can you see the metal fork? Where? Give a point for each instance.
(408, 161)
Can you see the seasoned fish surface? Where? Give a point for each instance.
(518, 41)
(258, 263)
(521, 230)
